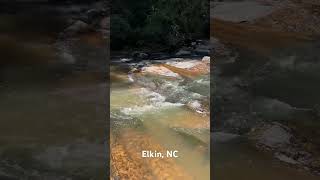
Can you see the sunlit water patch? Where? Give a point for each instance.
(157, 109)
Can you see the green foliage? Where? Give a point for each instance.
(150, 23)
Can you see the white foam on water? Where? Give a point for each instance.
(155, 102)
(184, 64)
(195, 104)
(130, 78)
(125, 59)
(203, 81)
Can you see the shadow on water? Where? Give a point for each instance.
(293, 75)
(290, 75)
(52, 113)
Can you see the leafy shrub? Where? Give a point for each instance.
(148, 23)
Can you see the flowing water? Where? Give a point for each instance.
(52, 110)
(150, 111)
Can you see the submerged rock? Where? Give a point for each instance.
(196, 106)
(272, 109)
(202, 50)
(140, 55)
(77, 27)
(285, 159)
(273, 136)
(159, 70)
(183, 53)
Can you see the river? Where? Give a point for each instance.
(53, 99)
(160, 108)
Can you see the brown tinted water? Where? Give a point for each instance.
(52, 114)
(143, 119)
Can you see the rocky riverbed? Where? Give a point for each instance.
(53, 91)
(160, 105)
(266, 91)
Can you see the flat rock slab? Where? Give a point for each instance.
(275, 136)
(240, 11)
(222, 137)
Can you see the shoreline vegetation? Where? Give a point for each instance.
(154, 25)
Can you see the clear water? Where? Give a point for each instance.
(144, 117)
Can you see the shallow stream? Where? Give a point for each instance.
(150, 111)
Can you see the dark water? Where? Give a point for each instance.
(290, 75)
(52, 109)
(238, 159)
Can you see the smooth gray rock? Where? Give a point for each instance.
(275, 136)
(222, 137)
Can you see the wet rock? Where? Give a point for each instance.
(158, 56)
(188, 68)
(274, 136)
(222, 137)
(67, 58)
(159, 70)
(183, 53)
(183, 64)
(316, 164)
(294, 155)
(202, 50)
(200, 134)
(93, 13)
(280, 140)
(73, 156)
(140, 55)
(286, 159)
(196, 106)
(77, 27)
(237, 123)
(272, 109)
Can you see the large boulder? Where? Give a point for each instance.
(272, 109)
(159, 70)
(77, 27)
(273, 136)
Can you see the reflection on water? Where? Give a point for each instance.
(144, 117)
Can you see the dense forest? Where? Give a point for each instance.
(154, 23)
